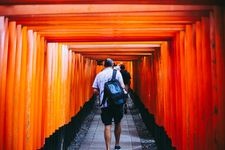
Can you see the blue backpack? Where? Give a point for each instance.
(113, 92)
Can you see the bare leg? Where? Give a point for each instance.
(126, 100)
(107, 134)
(117, 133)
(127, 88)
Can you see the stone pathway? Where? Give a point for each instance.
(134, 136)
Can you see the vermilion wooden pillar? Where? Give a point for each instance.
(17, 91)
(177, 93)
(193, 112)
(189, 79)
(40, 89)
(199, 71)
(32, 109)
(3, 70)
(184, 88)
(206, 86)
(58, 80)
(218, 66)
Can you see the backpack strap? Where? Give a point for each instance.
(113, 78)
(114, 74)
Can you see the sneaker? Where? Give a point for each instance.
(117, 147)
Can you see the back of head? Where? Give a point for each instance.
(122, 67)
(108, 62)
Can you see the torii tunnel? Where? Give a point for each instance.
(174, 50)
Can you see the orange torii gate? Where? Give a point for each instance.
(45, 79)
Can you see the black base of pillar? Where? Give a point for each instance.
(162, 140)
(63, 137)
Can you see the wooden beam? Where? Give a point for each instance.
(106, 50)
(149, 43)
(97, 37)
(135, 16)
(141, 26)
(107, 20)
(149, 13)
(12, 10)
(117, 54)
(114, 57)
(106, 39)
(109, 32)
(134, 46)
(208, 2)
(115, 45)
(116, 33)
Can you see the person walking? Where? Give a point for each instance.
(126, 79)
(108, 114)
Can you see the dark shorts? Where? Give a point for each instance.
(110, 114)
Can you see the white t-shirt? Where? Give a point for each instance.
(104, 76)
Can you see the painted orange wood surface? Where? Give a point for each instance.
(110, 2)
(16, 93)
(189, 96)
(2, 28)
(218, 82)
(60, 62)
(10, 83)
(42, 86)
(4, 56)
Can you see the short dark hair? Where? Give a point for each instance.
(122, 66)
(108, 62)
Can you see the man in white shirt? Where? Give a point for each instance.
(109, 113)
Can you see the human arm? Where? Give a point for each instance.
(95, 91)
(95, 86)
